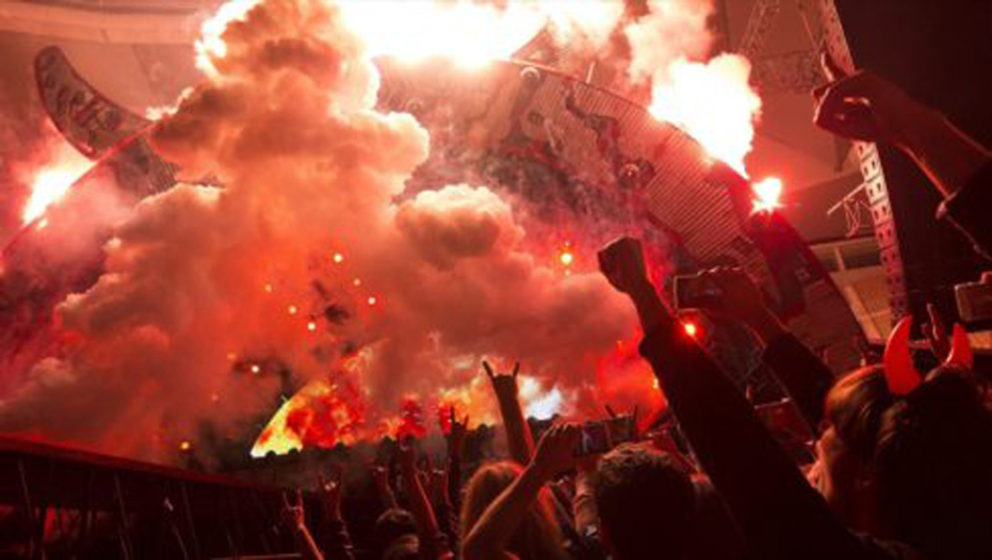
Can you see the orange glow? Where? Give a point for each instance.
(185, 446)
(320, 414)
(766, 194)
(52, 181)
(711, 101)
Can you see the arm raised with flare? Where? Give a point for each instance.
(518, 436)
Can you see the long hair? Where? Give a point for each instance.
(537, 536)
(855, 406)
(932, 467)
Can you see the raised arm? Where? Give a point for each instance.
(864, 106)
(420, 505)
(491, 533)
(518, 436)
(334, 537)
(778, 512)
(452, 492)
(805, 377)
(294, 517)
(583, 501)
(380, 476)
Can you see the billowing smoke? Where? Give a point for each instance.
(710, 99)
(300, 259)
(308, 263)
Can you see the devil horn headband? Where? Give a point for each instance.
(961, 353)
(901, 375)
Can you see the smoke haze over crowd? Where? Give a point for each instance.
(305, 260)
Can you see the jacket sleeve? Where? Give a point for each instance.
(780, 515)
(805, 377)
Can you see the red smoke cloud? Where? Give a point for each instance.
(308, 262)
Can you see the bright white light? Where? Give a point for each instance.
(714, 103)
(766, 194)
(546, 406)
(539, 404)
(49, 185)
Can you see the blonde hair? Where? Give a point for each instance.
(537, 536)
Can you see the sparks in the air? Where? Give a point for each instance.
(767, 193)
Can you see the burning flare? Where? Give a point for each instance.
(712, 102)
(766, 194)
(53, 179)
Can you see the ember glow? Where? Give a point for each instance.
(323, 414)
(315, 416)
